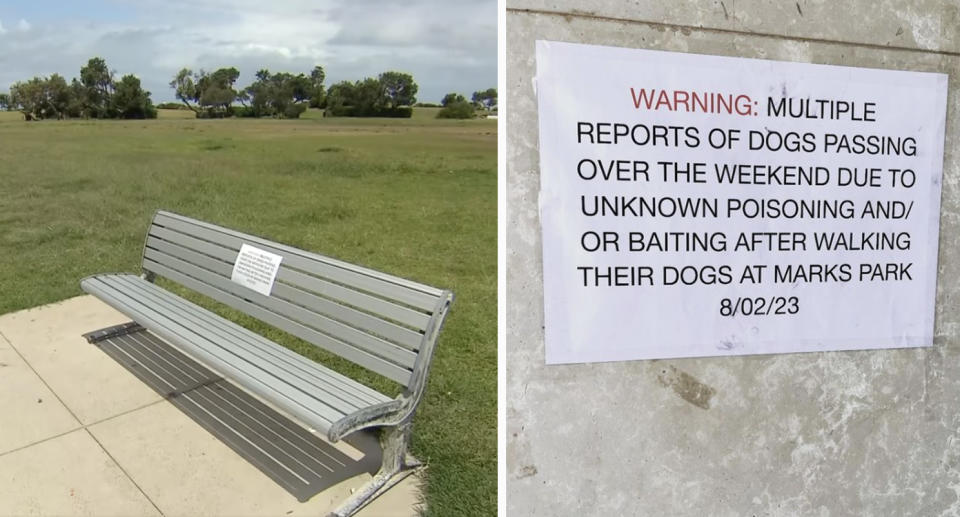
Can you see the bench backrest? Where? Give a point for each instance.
(381, 322)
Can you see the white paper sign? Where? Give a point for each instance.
(256, 269)
(698, 206)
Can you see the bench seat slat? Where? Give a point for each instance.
(365, 359)
(399, 290)
(280, 393)
(372, 304)
(217, 274)
(353, 393)
(344, 394)
(221, 352)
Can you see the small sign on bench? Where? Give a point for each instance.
(256, 269)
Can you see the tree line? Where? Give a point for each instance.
(281, 95)
(284, 95)
(96, 94)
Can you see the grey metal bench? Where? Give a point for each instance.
(383, 323)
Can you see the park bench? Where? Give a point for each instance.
(381, 322)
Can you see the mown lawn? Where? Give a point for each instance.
(415, 198)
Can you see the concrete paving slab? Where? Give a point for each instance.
(29, 412)
(186, 471)
(49, 470)
(67, 475)
(90, 383)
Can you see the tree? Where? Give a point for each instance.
(216, 91)
(97, 80)
(485, 98)
(279, 91)
(96, 75)
(451, 98)
(212, 92)
(77, 99)
(29, 96)
(340, 95)
(398, 89)
(302, 87)
(317, 76)
(35, 98)
(185, 88)
(94, 94)
(280, 95)
(130, 100)
(259, 95)
(388, 95)
(58, 95)
(456, 106)
(368, 96)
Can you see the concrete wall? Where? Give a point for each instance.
(827, 434)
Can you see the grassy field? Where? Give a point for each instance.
(419, 115)
(414, 197)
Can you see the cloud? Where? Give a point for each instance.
(448, 26)
(23, 26)
(446, 45)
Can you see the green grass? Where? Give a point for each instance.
(419, 114)
(415, 198)
(175, 114)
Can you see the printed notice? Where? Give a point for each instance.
(256, 269)
(699, 206)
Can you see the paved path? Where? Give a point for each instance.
(79, 435)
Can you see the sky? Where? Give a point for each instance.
(447, 45)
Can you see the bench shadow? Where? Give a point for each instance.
(299, 461)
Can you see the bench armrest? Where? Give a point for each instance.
(397, 411)
(385, 413)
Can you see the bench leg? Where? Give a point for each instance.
(395, 466)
